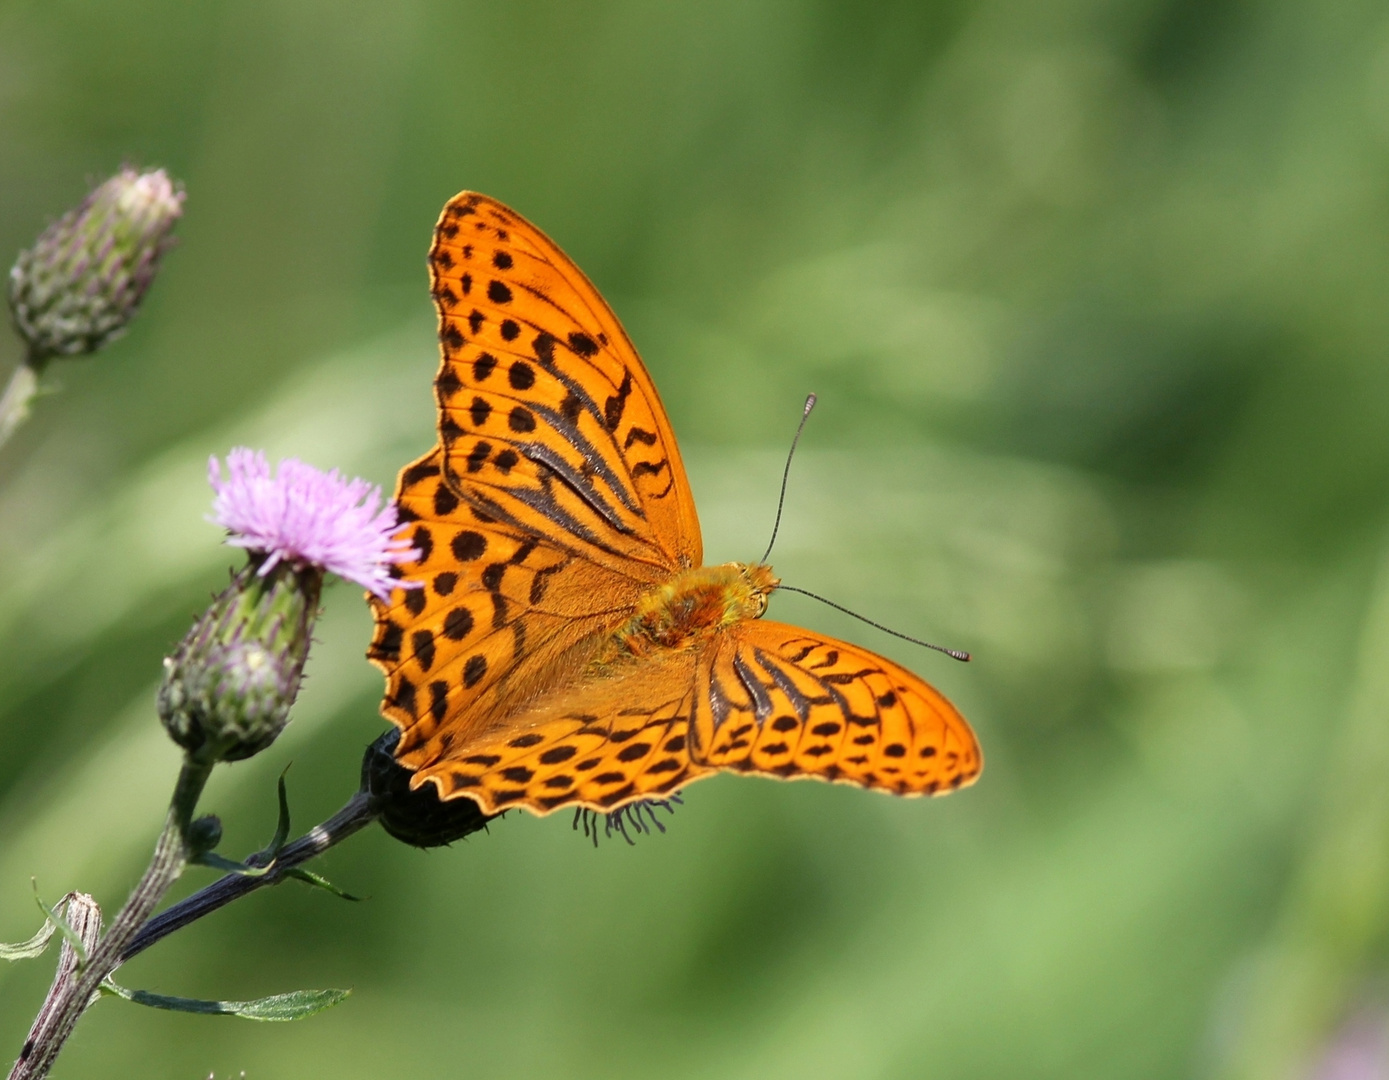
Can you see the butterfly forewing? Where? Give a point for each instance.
(780, 700)
(547, 416)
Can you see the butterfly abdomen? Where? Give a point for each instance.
(692, 607)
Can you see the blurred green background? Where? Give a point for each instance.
(1094, 295)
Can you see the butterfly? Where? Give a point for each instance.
(564, 645)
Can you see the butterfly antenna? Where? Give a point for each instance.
(786, 473)
(958, 654)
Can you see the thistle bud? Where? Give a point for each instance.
(228, 688)
(419, 817)
(81, 283)
(204, 834)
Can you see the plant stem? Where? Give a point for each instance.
(83, 916)
(14, 405)
(355, 815)
(69, 998)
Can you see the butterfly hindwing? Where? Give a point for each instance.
(786, 702)
(547, 416)
(608, 742)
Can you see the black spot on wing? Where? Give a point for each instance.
(483, 366)
(617, 403)
(458, 624)
(387, 645)
(445, 501)
(448, 383)
(544, 346)
(477, 457)
(449, 431)
(582, 344)
(422, 641)
(468, 545)
(415, 473)
(648, 468)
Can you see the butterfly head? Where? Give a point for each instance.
(760, 582)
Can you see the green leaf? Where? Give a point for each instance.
(282, 826)
(308, 877)
(64, 927)
(276, 1008)
(231, 866)
(27, 950)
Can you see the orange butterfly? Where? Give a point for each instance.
(568, 647)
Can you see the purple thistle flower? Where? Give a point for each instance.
(304, 516)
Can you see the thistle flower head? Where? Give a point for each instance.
(417, 816)
(82, 282)
(229, 686)
(305, 517)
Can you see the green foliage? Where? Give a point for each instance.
(1094, 298)
(295, 1005)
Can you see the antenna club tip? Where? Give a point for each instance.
(810, 400)
(960, 654)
